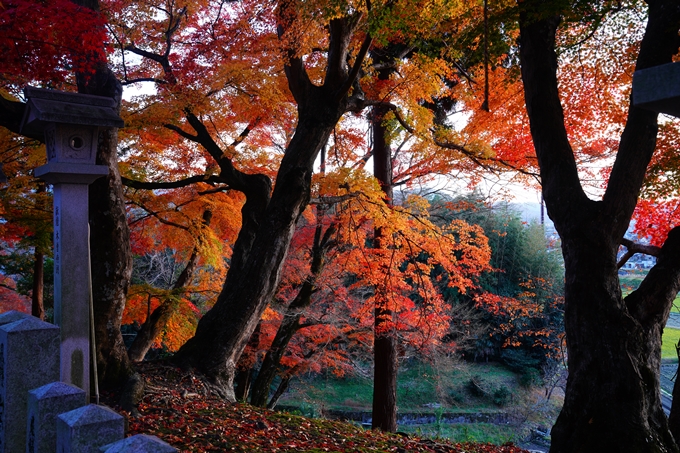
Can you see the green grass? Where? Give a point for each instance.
(633, 280)
(468, 432)
(675, 308)
(418, 384)
(668, 341)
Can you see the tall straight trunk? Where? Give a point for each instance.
(109, 237)
(223, 332)
(385, 360)
(612, 400)
(155, 323)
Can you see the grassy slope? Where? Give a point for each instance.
(424, 389)
(669, 340)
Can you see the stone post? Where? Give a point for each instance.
(44, 405)
(29, 358)
(87, 429)
(140, 443)
(70, 123)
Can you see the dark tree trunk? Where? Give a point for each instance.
(291, 320)
(153, 326)
(385, 360)
(280, 390)
(612, 400)
(109, 237)
(223, 332)
(288, 328)
(245, 368)
(111, 266)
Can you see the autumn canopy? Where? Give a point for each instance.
(275, 199)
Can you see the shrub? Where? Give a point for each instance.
(502, 396)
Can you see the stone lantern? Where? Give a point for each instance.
(71, 123)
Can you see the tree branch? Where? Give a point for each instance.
(212, 179)
(633, 248)
(562, 188)
(638, 140)
(182, 132)
(651, 302)
(334, 200)
(161, 219)
(354, 72)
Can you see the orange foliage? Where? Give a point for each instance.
(338, 326)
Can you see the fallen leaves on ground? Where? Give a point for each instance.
(178, 408)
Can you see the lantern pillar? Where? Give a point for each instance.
(71, 122)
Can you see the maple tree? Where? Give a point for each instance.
(26, 227)
(614, 338)
(328, 290)
(175, 73)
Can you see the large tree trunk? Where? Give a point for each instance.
(245, 368)
(109, 237)
(223, 332)
(111, 265)
(154, 324)
(385, 361)
(612, 400)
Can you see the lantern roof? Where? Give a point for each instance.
(658, 89)
(52, 106)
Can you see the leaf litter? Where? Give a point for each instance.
(180, 409)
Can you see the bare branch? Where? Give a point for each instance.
(182, 132)
(143, 79)
(635, 247)
(157, 215)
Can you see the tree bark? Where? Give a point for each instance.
(245, 368)
(385, 360)
(223, 332)
(280, 390)
(38, 293)
(612, 398)
(153, 326)
(111, 265)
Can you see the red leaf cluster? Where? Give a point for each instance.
(47, 40)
